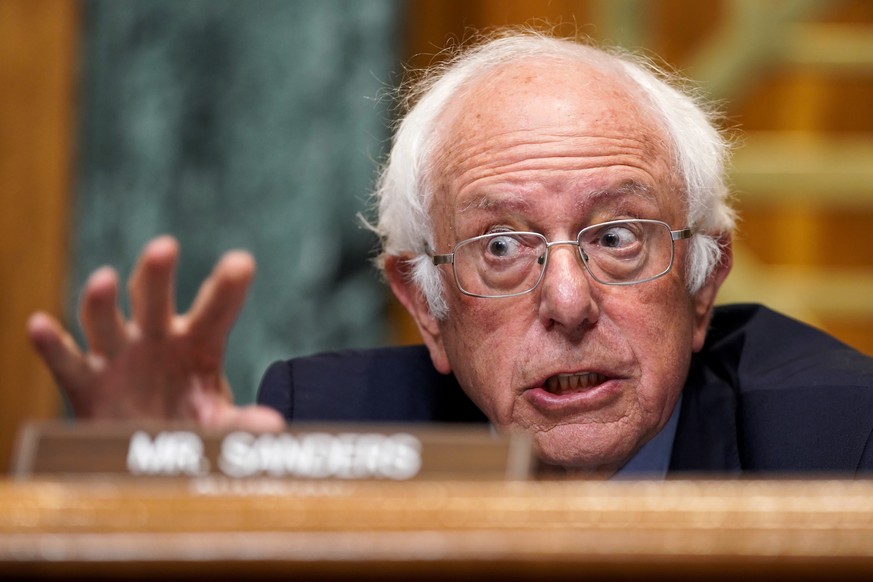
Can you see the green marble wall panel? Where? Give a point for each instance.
(241, 124)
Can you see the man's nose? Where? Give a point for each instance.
(566, 297)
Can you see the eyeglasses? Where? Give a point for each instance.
(618, 252)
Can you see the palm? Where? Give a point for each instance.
(149, 378)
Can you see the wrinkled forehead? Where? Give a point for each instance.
(514, 96)
(559, 101)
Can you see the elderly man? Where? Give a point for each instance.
(555, 219)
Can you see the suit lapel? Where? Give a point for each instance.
(706, 438)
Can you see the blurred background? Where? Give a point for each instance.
(259, 125)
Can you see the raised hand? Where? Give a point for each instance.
(159, 364)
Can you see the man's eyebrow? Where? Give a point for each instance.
(621, 191)
(491, 201)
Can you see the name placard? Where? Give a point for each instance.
(308, 452)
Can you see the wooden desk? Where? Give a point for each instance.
(266, 529)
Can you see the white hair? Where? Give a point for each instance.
(406, 183)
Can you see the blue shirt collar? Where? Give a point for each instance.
(653, 459)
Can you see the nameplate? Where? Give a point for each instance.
(308, 452)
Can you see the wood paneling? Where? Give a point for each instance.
(37, 59)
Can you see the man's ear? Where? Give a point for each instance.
(398, 270)
(704, 299)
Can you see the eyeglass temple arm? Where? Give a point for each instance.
(676, 234)
(443, 259)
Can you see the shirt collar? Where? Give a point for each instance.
(653, 459)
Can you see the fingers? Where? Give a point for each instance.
(100, 317)
(60, 353)
(151, 286)
(218, 303)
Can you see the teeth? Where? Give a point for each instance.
(564, 383)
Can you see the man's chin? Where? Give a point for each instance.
(574, 449)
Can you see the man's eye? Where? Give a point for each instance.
(616, 237)
(502, 246)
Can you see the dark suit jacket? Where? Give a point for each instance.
(767, 394)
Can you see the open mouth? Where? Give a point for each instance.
(561, 384)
